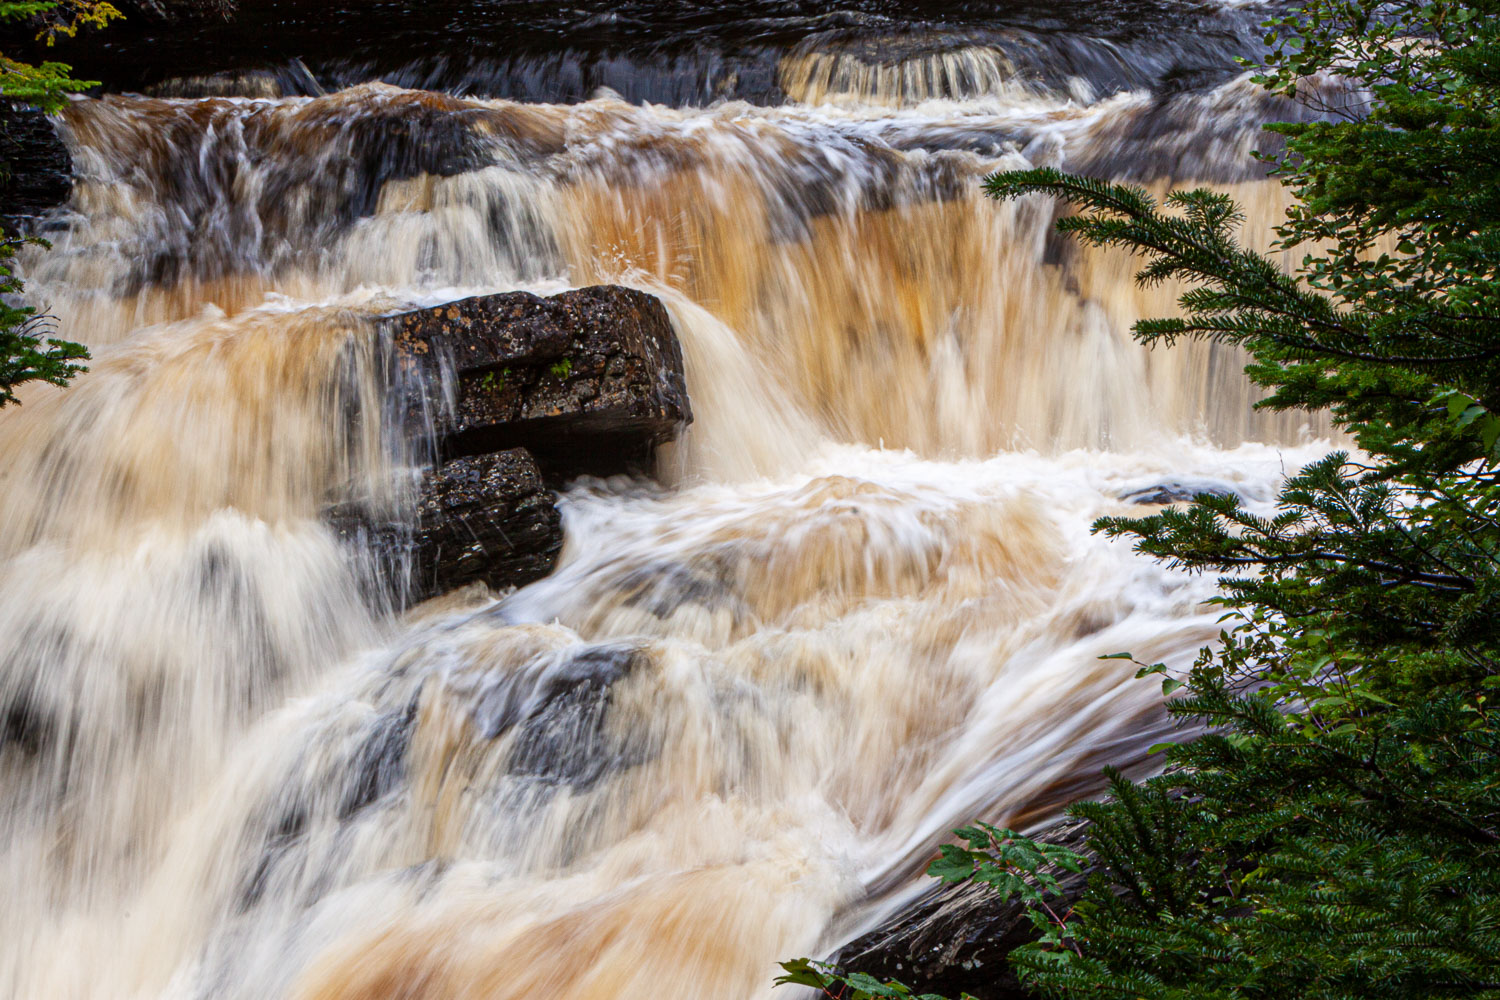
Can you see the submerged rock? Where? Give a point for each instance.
(252, 83)
(36, 170)
(1174, 491)
(589, 381)
(955, 939)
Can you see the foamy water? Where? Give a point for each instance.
(862, 605)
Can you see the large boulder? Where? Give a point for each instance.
(589, 381)
(956, 939)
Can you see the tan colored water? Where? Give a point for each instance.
(738, 718)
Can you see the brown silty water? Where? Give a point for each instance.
(865, 607)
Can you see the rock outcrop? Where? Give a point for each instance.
(589, 381)
(955, 939)
(36, 171)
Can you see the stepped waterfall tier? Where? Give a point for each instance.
(854, 603)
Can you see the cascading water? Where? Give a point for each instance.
(864, 608)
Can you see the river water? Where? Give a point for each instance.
(861, 605)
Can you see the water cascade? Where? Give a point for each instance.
(862, 604)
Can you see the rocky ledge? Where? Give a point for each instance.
(956, 939)
(176, 11)
(542, 390)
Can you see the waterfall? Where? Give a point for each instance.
(860, 605)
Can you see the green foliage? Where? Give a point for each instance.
(1395, 557)
(27, 354)
(562, 369)
(47, 84)
(838, 985)
(1015, 867)
(1356, 859)
(1336, 832)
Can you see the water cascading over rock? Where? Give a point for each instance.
(856, 603)
(535, 390)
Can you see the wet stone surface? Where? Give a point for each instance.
(36, 170)
(677, 52)
(485, 518)
(1175, 491)
(955, 939)
(589, 381)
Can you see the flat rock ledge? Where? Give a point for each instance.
(544, 390)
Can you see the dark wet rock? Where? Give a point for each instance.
(25, 725)
(515, 699)
(677, 52)
(486, 518)
(664, 587)
(483, 518)
(316, 168)
(379, 764)
(1175, 491)
(562, 740)
(176, 11)
(589, 381)
(36, 171)
(955, 939)
(374, 767)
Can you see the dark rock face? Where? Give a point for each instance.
(36, 171)
(589, 381)
(484, 518)
(955, 939)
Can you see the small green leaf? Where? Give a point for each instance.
(801, 972)
(955, 865)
